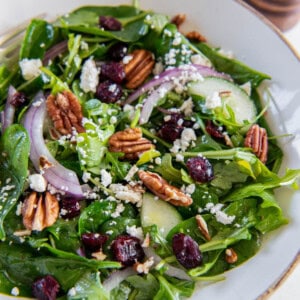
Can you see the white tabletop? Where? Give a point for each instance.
(289, 287)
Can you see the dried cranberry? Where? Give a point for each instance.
(109, 92)
(18, 99)
(172, 128)
(214, 130)
(170, 132)
(45, 288)
(118, 51)
(113, 71)
(186, 251)
(69, 208)
(127, 250)
(94, 241)
(200, 169)
(109, 23)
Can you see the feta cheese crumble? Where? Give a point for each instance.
(37, 182)
(30, 68)
(213, 101)
(89, 77)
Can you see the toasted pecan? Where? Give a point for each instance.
(130, 142)
(178, 20)
(138, 68)
(161, 188)
(257, 140)
(40, 211)
(196, 36)
(65, 111)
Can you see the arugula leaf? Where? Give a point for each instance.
(14, 149)
(118, 169)
(89, 287)
(173, 289)
(167, 171)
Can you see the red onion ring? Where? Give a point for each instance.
(167, 76)
(7, 116)
(61, 178)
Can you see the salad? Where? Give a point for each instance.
(135, 161)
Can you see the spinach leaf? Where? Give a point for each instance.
(86, 20)
(14, 149)
(240, 72)
(23, 265)
(39, 36)
(93, 216)
(89, 287)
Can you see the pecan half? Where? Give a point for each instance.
(40, 211)
(130, 142)
(202, 225)
(231, 256)
(65, 111)
(161, 188)
(138, 68)
(178, 20)
(196, 36)
(257, 139)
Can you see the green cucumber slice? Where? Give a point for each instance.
(231, 95)
(158, 212)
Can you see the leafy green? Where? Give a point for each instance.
(89, 287)
(173, 289)
(14, 149)
(39, 36)
(23, 265)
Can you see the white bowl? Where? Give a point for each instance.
(234, 27)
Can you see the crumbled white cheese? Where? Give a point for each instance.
(127, 194)
(119, 209)
(72, 292)
(15, 291)
(188, 135)
(135, 231)
(37, 182)
(187, 107)
(158, 68)
(144, 268)
(157, 160)
(126, 59)
(30, 68)
(89, 77)
(213, 101)
(221, 216)
(131, 173)
(106, 178)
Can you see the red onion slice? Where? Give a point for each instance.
(54, 51)
(61, 178)
(7, 116)
(170, 74)
(152, 100)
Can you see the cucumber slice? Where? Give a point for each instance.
(160, 213)
(231, 95)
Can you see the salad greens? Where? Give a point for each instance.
(199, 114)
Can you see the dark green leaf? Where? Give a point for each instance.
(14, 149)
